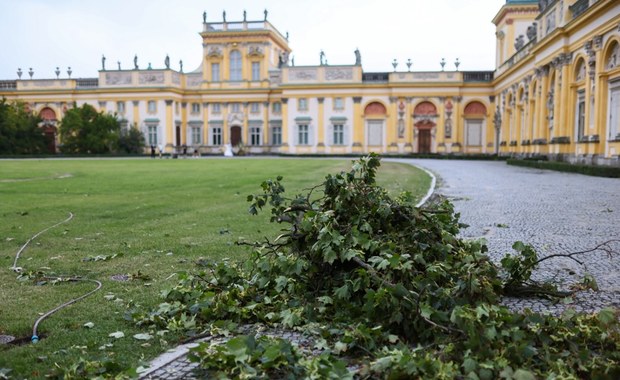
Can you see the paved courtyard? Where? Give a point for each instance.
(555, 212)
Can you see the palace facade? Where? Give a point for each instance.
(555, 91)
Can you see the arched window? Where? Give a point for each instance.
(235, 65)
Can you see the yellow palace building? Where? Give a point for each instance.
(555, 91)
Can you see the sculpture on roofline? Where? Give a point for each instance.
(204, 17)
(167, 61)
(103, 62)
(135, 62)
(358, 57)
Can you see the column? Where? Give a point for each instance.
(184, 123)
(458, 125)
(136, 113)
(358, 125)
(285, 145)
(225, 132)
(321, 125)
(440, 135)
(245, 132)
(169, 124)
(392, 125)
(409, 124)
(265, 124)
(205, 123)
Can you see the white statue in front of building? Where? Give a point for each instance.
(228, 150)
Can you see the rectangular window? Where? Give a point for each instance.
(254, 107)
(195, 108)
(276, 136)
(302, 134)
(216, 136)
(215, 72)
(215, 107)
(255, 71)
(236, 107)
(338, 134)
(614, 114)
(120, 107)
(276, 107)
(473, 132)
(338, 104)
(302, 104)
(152, 106)
(580, 115)
(196, 136)
(254, 135)
(152, 134)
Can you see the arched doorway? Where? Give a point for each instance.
(48, 124)
(375, 114)
(235, 135)
(424, 116)
(475, 114)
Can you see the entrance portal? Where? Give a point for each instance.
(235, 136)
(424, 141)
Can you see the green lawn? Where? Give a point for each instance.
(157, 216)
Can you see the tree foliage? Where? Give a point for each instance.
(19, 130)
(131, 141)
(84, 130)
(387, 288)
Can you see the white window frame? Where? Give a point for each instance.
(216, 108)
(215, 72)
(215, 136)
(254, 107)
(303, 134)
(152, 131)
(276, 107)
(338, 134)
(255, 136)
(255, 71)
(235, 66)
(120, 107)
(276, 135)
(195, 108)
(151, 106)
(338, 103)
(302, 104)
(196, 135)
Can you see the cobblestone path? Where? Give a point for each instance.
(555, 212)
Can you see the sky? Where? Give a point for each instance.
(45, 34)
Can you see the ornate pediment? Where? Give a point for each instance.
(214, 52)
(255, 51)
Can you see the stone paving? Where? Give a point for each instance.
(555, 212)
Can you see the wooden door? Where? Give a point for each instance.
(235, 136)
(424, 141)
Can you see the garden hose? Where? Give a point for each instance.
(15, 268)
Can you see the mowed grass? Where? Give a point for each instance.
(157, 216)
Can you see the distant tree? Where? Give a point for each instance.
(19, 130)
(84, 130)
(131, 140)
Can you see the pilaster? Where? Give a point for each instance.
(169, 123)
(321, 125)
(358, 125)
(285, 145)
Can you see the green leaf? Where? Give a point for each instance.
(238, 347)
(342, 292)
(606, 316)
(522, 374)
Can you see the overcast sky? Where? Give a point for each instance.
(44, 34)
